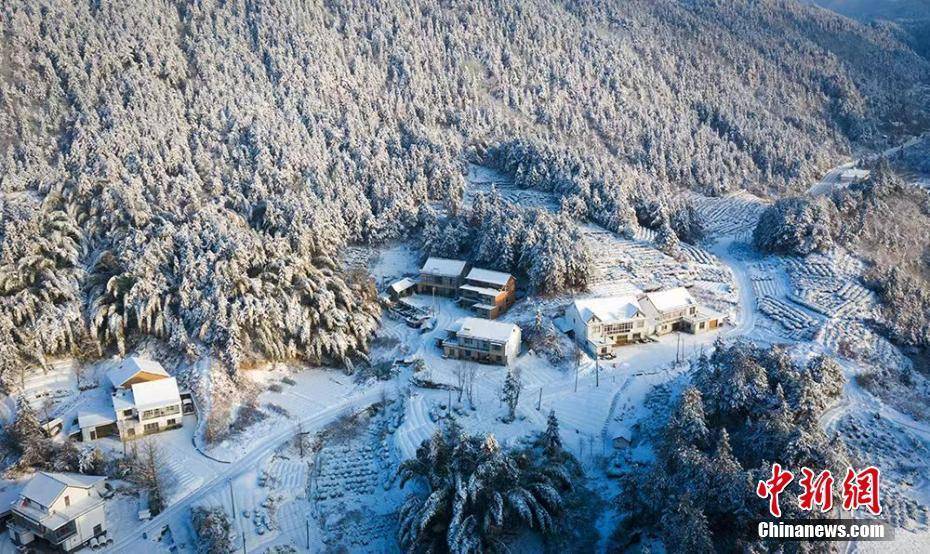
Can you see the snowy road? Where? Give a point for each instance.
(831, 180)
(747, 297)
(315, 422)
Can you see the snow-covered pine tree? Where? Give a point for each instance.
(510, 392)
(551, 439)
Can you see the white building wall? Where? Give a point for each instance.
(512, 348)
(139, 426)
(86, 523)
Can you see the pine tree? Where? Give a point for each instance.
(551, 439)
(26, 430)
(686, 528)
(477, 493)
(511, 393)
(688, 425)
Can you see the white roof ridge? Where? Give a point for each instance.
(445, 267)
(489, 276)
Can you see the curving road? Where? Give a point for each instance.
(264, 447)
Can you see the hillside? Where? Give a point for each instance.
(192, 171)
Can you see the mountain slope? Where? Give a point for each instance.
(193, 170)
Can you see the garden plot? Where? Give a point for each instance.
(828, 285)
(350, 487)
(765, 278)
(902, 457)
(797, 322)
(483, 179)
(698, 255)
(624, 265)
(734, 214)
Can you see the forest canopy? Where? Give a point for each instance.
(191, 171)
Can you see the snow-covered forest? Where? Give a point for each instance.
(748, 406)
(190, 171)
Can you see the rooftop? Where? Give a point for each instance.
(484, 329)
(96, 417)
(609, 309)
(45, 487)
(132, 366)
(671, 299)
(155, 394)
(498, 278)
(403, 284)
(481, 290)
(444, 267)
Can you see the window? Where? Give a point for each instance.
(127, 413)
(161, 412)
(67, 500)
(150, 428)
(131, 432)
(98, 529)
(172, 421)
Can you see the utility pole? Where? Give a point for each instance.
(597, 373)
(539, 402)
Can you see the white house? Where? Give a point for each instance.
(144, 400)
(600, 324)
(148, 407)
(62, 510)
(669, 308)
(482, 340)
(676, 310)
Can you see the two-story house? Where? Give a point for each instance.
(147, 408)
(145, 398)
(600, 324)
(670, 309)
(482, 340)
(488, 293)
(64, 511)
(441, 276)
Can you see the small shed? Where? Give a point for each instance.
(402, 288)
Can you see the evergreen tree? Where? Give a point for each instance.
(551, 439)
(477, 493)
(510, 392)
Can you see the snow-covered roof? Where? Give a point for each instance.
(403, 284)
(46, 487)
(155, 394)
(498, 278)
(854, 174)
(481, 290)
(671, 299)
(132, 366)
(608, 309)
(484, 329)
(444, 267)
(95, 417)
